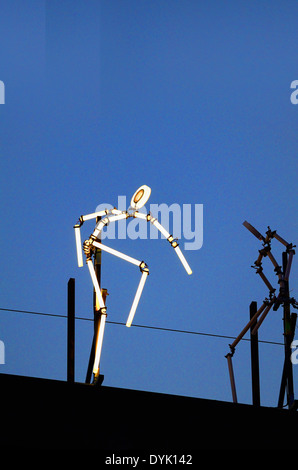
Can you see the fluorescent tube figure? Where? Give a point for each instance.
(107, 216)
(273, 301)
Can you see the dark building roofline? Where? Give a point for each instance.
(50, 414)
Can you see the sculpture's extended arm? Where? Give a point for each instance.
(166, 234)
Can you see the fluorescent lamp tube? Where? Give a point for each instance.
(79, 246)
(137, 298)
(95, 283)
(140, 215)
(289, 264)
(93, 215)
(99, 341)
(183, 260)
(159, 227)
(140, 197)
(253, 230)
(281, 240)
(117, 253)
(114, 218)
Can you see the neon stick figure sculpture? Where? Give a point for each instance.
(107, 216)
(283, 298)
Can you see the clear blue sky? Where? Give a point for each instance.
(189, 97)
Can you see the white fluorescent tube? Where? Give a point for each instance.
(116, 211)
(93, 215)
(183, 260)
(159, 227)
(121, 216)
(99, 341)
(95, 283)
(140, 215)
(137, 298)
(117, 253)
(79, 246)
(106, 221)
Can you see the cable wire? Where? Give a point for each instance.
(172, 330)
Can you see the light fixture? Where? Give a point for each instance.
(137, 297)
(95, 283)
(94, 215)
(140, 197)
(258, 317)
(117, 253)
(79, 246)
(159, 227)
(253, 230)
(98, 342)
(183, 260)
(138, 200)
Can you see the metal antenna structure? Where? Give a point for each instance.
(283, 298)
(93, 243)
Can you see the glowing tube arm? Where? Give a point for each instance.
(174, 244)
(99, 341)
(94, 215)
(159, 227)
(183, 260)
(137, 297)
(153, 221)
(79, 246)
(169, 237)
(107, 220)
(117, 253)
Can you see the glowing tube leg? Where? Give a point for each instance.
(99, 341)
(183, 260)
(95, 284)
(137, 298)
(117, 253)
(79, 246)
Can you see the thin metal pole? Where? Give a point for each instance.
(232, 378)
(71, 330)
(254, 351)
(287, 335)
